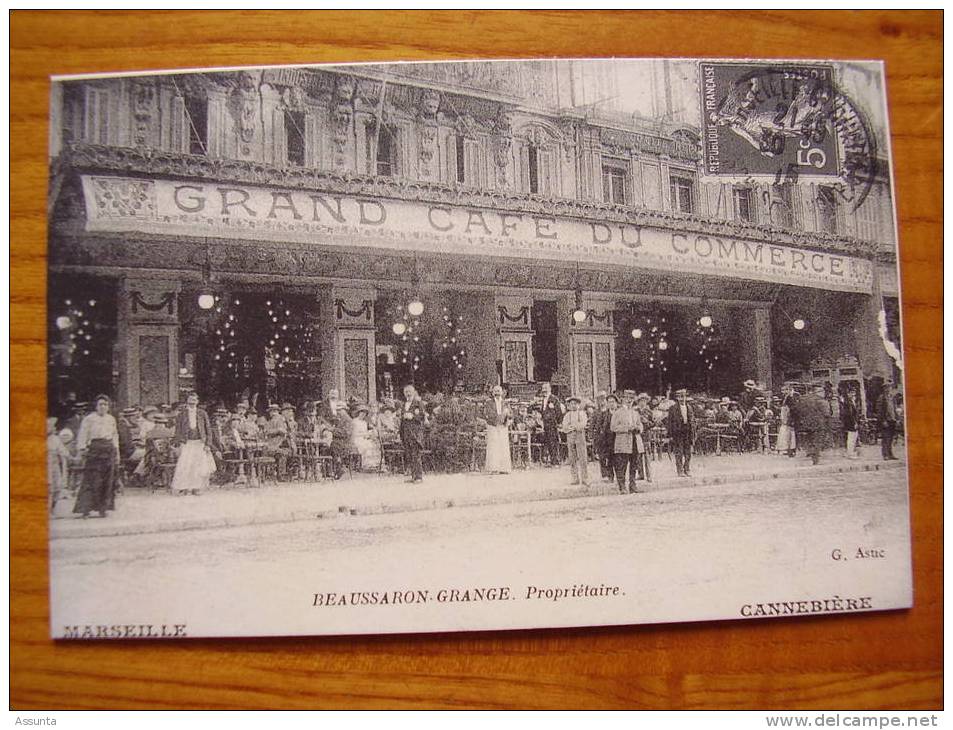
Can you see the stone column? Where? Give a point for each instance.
(763, 362)
(562, 378)
(754, 339)
(482, 340)
(349, 343)
(148, 332)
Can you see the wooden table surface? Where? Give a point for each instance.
(882, 660)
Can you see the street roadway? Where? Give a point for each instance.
(695, 553)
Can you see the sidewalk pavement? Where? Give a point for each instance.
(140, 512)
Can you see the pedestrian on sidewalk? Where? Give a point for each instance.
(574, 426)
(603, 440)
(553, 411)
(498, 416)
(681, 432)
(850, 418)
(98, 444)
(196, 439)
(642, 440)
(813, 414)
(787, 443)
(412, 420)
(889, 417)
(57, 464)
(626, 425)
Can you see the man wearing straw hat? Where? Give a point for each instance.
(681, 430)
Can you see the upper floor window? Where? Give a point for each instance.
(196, 119)
(537, 164)
(683, 193)
(782, 205)
(826, 209)
(467, 161)
(294, 137)
(86, 115)
(461, 148)
(613, 184)
(386, 152)
(744, 204)
(533, 152)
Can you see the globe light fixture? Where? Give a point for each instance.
(662, 345)
(63, 322)
(579, 316)
(799, 324)
(705, 321)
(416, 308)
(636, 334)
(399, 328)
(206, 301)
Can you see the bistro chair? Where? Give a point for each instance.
(393, 455)
(163, 458)
(520, 449)
(234, 464)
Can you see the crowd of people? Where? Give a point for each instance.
(185, 447)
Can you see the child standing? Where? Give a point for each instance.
(57, 464)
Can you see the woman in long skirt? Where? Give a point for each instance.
(98, 443)
(787, 442)
(194, 434)
(497, 415)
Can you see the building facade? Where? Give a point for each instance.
(279, 232)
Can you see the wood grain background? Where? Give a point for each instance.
(886, 660)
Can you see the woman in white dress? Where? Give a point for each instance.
(497, 415)
(366, 440)
(197, 440)
(787, 439)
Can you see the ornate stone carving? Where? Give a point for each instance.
(502, 151)
(292, 97)
(341, 118)
(143, 111)
(123, 197)
(427, 131)
(367, 95)
(247, 101)
(150, 300)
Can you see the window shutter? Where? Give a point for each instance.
(524, 166)
(452, 159)
(471, 163)
(311, 153)
(96, 116)
(406, 155)
(547, 171)
(180, 128)
(279, 135)
(216, 122)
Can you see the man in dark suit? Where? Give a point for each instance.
(602, 444)
(413, 416)
(813, 418)
(553, 411)
(681, 431)
(888, 416)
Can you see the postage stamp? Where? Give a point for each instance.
(784, 121)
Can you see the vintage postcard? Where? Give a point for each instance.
(479, 345)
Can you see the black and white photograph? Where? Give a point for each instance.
(477, 345)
